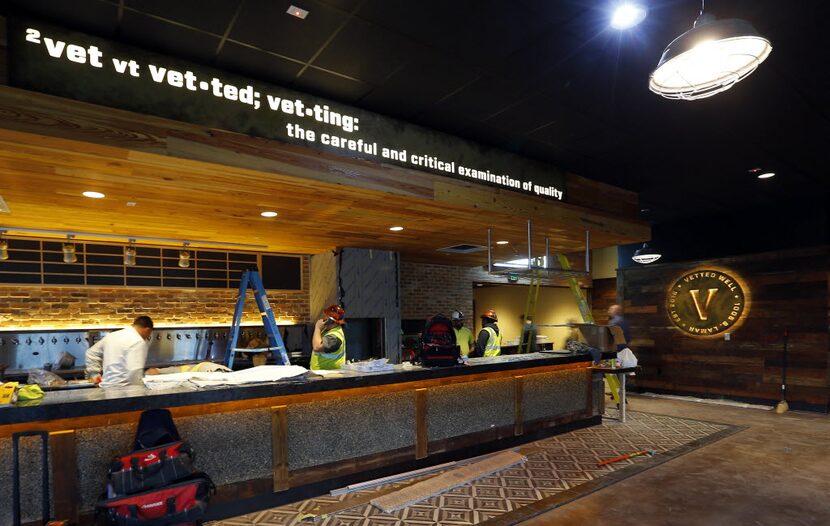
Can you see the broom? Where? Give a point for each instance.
(783, 406)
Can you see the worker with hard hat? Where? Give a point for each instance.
(463, 335)
(328, 344)
(488, 342)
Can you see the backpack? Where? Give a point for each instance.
(155, 427)
(438, 345)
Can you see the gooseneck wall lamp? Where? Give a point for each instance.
(646, 255)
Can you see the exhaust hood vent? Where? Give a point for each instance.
(462, 249)
(3, 206)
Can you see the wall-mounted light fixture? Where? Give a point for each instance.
(4, 247)
(646, 255)
(129, 254)
(69, 255)
(184, 256)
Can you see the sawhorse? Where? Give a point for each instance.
(275, 344)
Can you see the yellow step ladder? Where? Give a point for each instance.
(587, 317)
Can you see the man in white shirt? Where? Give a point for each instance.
(120, 356)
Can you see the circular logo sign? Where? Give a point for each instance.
(705, 302)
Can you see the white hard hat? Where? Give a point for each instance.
(457, 315)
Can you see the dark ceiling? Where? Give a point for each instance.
(547, 79)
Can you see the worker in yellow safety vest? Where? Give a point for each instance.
(329, 341)
(488, 343)
(463, 335)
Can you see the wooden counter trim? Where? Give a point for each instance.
(279, 446)
(589, 393)
(64, 475)
(130, 417)
(518, 426)
(301, 477)
(421, 430)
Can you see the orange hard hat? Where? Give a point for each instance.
(336, 313)
(490, 313)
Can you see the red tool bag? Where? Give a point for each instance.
(183, 503)
(151, 468)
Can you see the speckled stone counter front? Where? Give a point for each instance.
(325, 432)
(456, 410)
(30, 487)
(233, 442)
(552, 394)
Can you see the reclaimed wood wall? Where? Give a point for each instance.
(603, 295)
(788, 290)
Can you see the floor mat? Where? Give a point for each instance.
(555, 465)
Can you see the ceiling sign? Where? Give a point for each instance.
(706, 302)
(74, 65)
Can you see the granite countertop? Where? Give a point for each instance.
(95, 401)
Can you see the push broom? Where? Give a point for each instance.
(783, 406)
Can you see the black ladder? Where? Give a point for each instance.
(275, 344)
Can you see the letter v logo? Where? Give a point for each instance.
(703, 313)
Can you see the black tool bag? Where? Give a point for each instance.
(183, 503)
(151, 468)
(438, 344)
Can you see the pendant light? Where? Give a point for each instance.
(4, 247)
(129, 254)
(69, 255)
(184, 257)
(710, 58)
(646, 255)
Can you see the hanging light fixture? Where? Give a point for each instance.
(184, 256)
(129, 254)
(710, 58)
(646, 255)
(4, 247)
(69, 255)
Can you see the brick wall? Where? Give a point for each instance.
(427, 289)
(44, 306)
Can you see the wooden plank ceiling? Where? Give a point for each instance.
(196, 184)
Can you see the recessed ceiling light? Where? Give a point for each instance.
(395, 228)
(299, 12)
(94, 195)
(766, 175)
(268, 213)
(131, 203)
(627, 15)
(502, 242)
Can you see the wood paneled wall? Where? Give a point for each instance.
(788, 290)
(603, 295)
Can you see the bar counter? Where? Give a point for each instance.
(291, 439)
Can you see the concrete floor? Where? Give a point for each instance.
(776, 472)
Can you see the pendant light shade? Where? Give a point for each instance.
(184, 257)
(708, 59)
(646, 255)
(129, 254)
(69, 254)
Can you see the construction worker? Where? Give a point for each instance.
(118, 359)
(328, 344)
(488, 343)
(463, 335)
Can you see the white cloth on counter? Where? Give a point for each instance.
(369, 366)
(260, 374)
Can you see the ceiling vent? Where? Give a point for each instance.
(3, 206)
(462, 249)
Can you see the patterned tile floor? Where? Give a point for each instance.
(553, 465)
